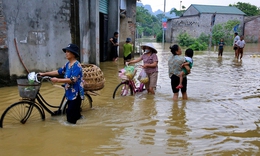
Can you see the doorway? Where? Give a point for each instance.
(103, 36)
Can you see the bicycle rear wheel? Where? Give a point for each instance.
(86, 104)
(20, 113)
(123, 89)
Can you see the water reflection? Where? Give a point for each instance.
(221, 116)
(177, 130)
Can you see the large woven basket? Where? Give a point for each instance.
(93, 77)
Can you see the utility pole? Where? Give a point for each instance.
(163, 27)
(211, 27)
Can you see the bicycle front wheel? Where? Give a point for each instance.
(123, 89)
(20, 113)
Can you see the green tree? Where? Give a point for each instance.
(178, 12)
(225, 31)
(147, 24)
(217, 33)
(159, 37)
(247, 8)
(185, 40)
(203, 38)
(200, 46)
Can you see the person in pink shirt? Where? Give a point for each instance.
(150, 65)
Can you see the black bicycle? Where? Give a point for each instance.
(32, 106)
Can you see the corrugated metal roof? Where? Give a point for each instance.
(217, 9)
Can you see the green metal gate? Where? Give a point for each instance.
(103, 6)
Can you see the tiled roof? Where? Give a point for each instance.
(217, 9)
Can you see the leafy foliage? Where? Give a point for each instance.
(224, 31)
(203, 38)
(147, 24)
(185, 40)
(198, 46)
(247, 8)
(159, 37)
(177, 12)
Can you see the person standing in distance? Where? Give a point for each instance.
(114, 45)
(221, 45)
(236, 38)
(240, 44)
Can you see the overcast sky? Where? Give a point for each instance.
(159, 4)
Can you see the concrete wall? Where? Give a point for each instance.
(84, 14)
(94, 32)
(127, 25)
(197, 24)
(252, 30)
(41, 28)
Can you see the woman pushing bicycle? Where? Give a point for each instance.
(73, 79)
(150, 65)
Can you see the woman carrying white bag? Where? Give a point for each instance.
(150, 66)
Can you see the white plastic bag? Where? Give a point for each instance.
(143, 77)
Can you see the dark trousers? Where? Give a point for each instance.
(114, 52)
(175, 81)
(73, 110)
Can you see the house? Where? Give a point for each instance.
(34, 32)
(252, 29)
(197, 19)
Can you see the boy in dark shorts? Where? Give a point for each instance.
(128, 48)
(221, 45)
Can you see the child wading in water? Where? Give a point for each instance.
(186, 66)
(221, 44)
(128, 48)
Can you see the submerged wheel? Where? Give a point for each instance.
(86, 104)
(123, 89)
(21, 113)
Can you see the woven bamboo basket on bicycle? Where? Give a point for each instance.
(27, 89)
(93, 77)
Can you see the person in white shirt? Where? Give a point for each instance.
(236, 38)
(240, 44)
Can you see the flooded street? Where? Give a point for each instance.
(221, 116)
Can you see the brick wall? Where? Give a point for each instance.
(195, 25)
(252, 30)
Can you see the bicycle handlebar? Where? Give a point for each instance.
(42, 78)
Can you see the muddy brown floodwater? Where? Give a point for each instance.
(221, 116)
